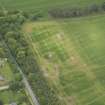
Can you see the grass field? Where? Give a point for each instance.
(71, 55)
(6, 72)
(45, 5)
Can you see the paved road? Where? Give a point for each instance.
(4, 87)
(25, 81)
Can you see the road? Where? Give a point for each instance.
(25, 81)
(4, 87)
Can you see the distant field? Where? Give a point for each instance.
(71, 54)
(45, 5)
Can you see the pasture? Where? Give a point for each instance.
(71, 54)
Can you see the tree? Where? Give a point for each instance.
(12, 34)
(20, 19)
(12, 43)
(93, 8)
(1, 102)
(21, 55)
(16, 85)
(18, 77)
(2, 53)
(22, 98)
(103, 6)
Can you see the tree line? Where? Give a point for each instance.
(77, 12)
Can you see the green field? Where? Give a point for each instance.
(71, 54)
(45, 5)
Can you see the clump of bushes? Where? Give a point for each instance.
(77, 12)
